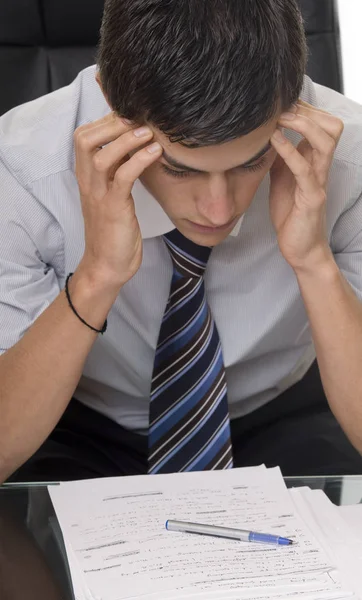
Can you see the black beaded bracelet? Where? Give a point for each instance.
(104, 328)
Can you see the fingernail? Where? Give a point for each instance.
(128, 122)
(288, 116)
(154, 148)
(142, 131)
(278, 136)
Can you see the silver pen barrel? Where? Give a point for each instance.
(213, 530)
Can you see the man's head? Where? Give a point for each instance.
(210, 77)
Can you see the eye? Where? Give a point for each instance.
(174, 173)
(256, 166)
(250, 168)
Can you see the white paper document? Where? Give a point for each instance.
(352, 514)
(119, 548)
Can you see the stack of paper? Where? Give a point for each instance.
(118, 547)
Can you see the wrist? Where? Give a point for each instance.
(91, 297)
(97, 280)
(321, 260)
(326, 271)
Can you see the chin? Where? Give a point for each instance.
(204, 239)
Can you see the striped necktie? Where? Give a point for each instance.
(189, 418)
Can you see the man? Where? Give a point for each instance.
(216, 268)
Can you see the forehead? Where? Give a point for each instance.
(221, 157)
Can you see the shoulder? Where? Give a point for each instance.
(349, 149)
(36, 138)
(345, 179)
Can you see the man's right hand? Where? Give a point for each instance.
(52, 353)
(106, 175)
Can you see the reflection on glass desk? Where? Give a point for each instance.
(32, 553)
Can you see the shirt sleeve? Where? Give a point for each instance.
(347, 245)
(30, 245)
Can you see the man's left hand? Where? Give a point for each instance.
(298, 190)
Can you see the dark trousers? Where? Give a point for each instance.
(296, 431)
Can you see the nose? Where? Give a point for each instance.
(216, 205)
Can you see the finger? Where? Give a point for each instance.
(111, 117)
(89, 137)
(302, 104)
(331, 124)
(133, 168)
(311, 190)
(107, 160)
(88, 141)
(322, 144)
(305, 149)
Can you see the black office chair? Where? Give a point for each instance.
(45, 43)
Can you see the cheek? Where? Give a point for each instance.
(251, 181)
(174, 197)
(247, 186)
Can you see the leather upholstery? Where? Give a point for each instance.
(324, 41)
(45, 43)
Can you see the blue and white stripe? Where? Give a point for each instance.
(189, 419)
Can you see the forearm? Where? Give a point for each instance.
(40, 373)
(335, 316)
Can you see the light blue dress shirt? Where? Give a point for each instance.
(252, 291)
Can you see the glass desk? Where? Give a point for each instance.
(32, 564)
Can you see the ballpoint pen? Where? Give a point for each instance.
(227, 532)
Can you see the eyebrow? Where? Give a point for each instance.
(177, 164)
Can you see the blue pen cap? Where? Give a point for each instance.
(269, 539)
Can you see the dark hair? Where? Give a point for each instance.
(204, 72)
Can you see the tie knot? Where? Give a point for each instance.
(189, 259)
